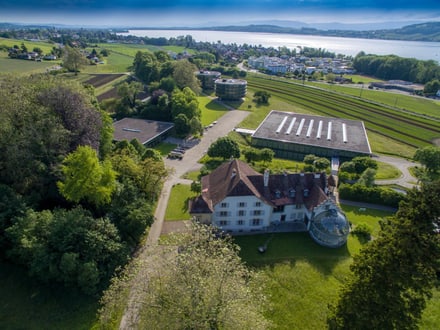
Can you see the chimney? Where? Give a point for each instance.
(266, 178)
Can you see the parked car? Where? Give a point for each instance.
(175, 155)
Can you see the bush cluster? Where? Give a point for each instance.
(374, 195)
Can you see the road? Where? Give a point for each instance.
(178, 167)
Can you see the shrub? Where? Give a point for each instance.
(362, 231)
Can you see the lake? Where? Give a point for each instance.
(348, 46)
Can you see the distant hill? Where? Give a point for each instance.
(417, 32)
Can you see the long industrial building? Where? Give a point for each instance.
(294, 135)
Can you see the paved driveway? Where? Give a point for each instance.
(189, 163)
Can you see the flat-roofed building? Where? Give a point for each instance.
(208, 78)
(294, 135)
(147, 132)
(230, 89)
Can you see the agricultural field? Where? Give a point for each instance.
(398, 127)
(16, 66)
(416, 104)
(46, 47)
(132, 49)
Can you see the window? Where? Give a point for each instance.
(242, 204)
(222, 223)
(258, 204)
(292, 193)
(224, 205)
(223, 213)
(277, 194)
(278, 209)
(240, 222)
(241, 213)
(257, 212)
(256, 222)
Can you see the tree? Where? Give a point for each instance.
(185, 102)
(393, 276)
(309, 159)
(429, 157)
(196, 127)
(70, 247)
(129, 91)
(182, 125)
(73, 59)
(196, 187)
(251, 154)
(42, 119)
(432, 87)
(367, 178)
(204, 285)
(321, 164)
(225, 148)
(86, 179)
(183, 75)
(262, 97)
(146, 67)
(266, 155)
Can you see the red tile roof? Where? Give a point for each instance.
(236, 178)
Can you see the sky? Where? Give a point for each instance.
(167, 13)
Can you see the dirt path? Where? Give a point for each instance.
(146, 257)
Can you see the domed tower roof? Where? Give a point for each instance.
(329, 226)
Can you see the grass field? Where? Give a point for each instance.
(387, 171)
(46, 47)
(15, 66)
(211, 110)
(178, 203)
(27, 304)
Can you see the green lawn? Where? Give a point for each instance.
(46, 47)
(211, 110)
(387, 171)
(177, 208)
(356, 78)
(27, 304)
(114, 63)
(304, 278)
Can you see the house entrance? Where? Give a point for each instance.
(283, 218)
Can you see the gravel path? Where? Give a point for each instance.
(406, 179)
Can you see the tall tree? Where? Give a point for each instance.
(86, 179)
(42, 119)
(429, 157)
(146, 67)
(73, 60)
(185, 102)
(70, 247)
(204, 285)
(393, 276)
(184, 76)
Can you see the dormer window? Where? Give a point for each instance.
(292, 193)
(306, 192)
(277, 194)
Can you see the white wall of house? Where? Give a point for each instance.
(290, 214)
(244, 213)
